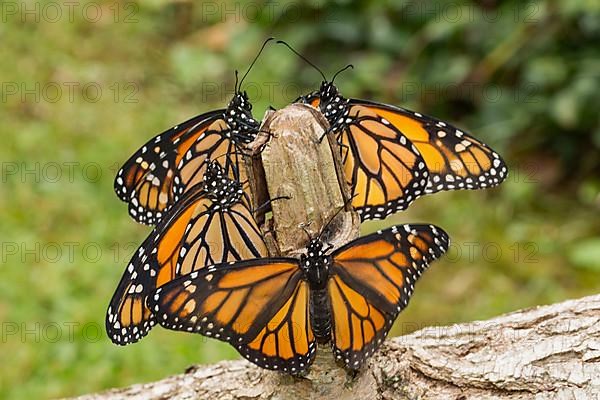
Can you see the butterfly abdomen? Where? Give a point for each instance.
(320, 315)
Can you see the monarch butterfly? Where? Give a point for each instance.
(274, 311)
(170, 164)
(211, 224)
(391, 155)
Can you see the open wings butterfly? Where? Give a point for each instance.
(211, 224)
(275, 311)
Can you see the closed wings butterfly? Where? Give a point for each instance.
(211, 224)
(276, 311)
(171, 163)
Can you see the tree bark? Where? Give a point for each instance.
(551, 352)
(548, 352)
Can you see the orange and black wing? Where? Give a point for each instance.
(215, 144)
(146, 181)
(192, 235)
(372, 279)
(163, 170)
(260, 307)
(455, 160)
(212, 235)
(127, 318)
(383, 168)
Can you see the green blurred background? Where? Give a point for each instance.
(84, 85)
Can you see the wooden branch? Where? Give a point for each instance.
(549, 352)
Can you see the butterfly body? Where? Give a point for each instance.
(223, 192)
(320, 315)
(335, 107)
(240, 120)
(315, 266)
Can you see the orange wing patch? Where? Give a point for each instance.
(372, 280)
(214, 144)
(358, 326)
(148, 180)
(216, 237)
(385, 171)
(288, 333)
(259, 306)
(169, 245)
(455, 160)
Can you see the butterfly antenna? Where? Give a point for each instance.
(236, 81)
(253, 62)
(302, 57)
(342, 70)
(303, 226)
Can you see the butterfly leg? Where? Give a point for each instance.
(268, 202)
(352, 373)
(329, 130)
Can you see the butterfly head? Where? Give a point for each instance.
(224, 192)
(238, 115)
(315, 264)
(332, 104)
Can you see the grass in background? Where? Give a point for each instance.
(533, 241)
